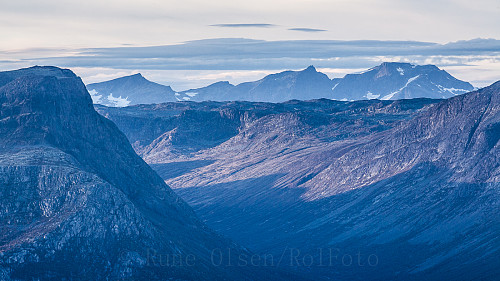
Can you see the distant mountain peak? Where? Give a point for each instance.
(311, 68)
(388, 80)
(222, 83)
(395, 64)
(137, 75)
(400, 80)
(130, 90)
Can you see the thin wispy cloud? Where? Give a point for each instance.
(304, 29)
(34, 23)
(238, 25)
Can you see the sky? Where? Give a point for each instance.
(167, 40)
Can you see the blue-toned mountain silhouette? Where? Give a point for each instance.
(130, 90)
(388, 81)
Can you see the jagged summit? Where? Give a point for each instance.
(286, 85)
(137, 76)
(310, 68)
(394, 80)
(389, 80)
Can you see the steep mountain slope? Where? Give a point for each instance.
(371, 191)
(78, 203)
(130, 90)
(179, 130)
(422, 197)
(399, 81)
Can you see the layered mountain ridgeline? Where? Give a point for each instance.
(77, 203)
(405, 190)
(171, 131)
(287, 85)
(388, 81)
(130, 90)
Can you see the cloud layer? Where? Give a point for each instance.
(476, 60)
(59, 23)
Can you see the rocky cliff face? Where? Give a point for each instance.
(77, 202)
(411, 185)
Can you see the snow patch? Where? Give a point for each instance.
(177, 94)
(186, 98)
(191, 94)
(365, 71)
(118, 101)
(454, 91)
(401, 71)
(96, 98)
(371, 96)
(335, 86)
(389, 96)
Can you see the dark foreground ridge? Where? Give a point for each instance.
(78, 203)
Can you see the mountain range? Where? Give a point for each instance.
(316, 190)
(77, 203)
(396, 190)
(388, 81)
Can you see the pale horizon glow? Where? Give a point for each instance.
(55, 32)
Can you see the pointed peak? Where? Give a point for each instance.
(221, 83)
(137, 76)
(310, 68)
(134, 77)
